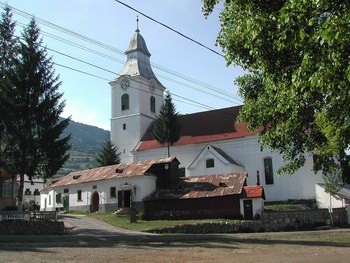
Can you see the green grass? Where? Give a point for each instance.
(123, 221)
(282, 207)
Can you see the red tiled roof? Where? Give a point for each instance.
(202, 127)
(192, 187)
(253, 192)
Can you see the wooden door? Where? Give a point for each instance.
(95, 202)
(248, 209)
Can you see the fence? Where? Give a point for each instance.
(28, 216)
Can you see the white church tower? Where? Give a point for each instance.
(137, 96)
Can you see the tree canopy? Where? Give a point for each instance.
(297, 88)
(31, 104)
(108, 155)
(166, 128)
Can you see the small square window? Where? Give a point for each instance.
(124, 126)
(66, 191)
(94, 187)
(210, 163)
(113, 192)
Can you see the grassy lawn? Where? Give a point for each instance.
(123, 221)
(282, 207)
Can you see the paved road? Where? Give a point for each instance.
(78, 225)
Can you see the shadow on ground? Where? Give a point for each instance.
(38, 243)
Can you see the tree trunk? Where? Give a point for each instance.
(20, 192)
(168, 149)
(344, 167)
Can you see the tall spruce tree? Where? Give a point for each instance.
(108, 155)
(37, 148)
(166, 128)
(8, 52)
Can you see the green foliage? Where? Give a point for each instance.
(166, 129)
(296, 92)
(31, 124)
(108, 155)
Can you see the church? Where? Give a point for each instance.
(212, 142)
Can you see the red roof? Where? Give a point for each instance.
(203, 127)
(253, 192)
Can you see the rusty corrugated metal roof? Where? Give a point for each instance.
(204, 186)
(109, 172)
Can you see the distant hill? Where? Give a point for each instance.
(86, 141)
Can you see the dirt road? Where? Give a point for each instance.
(84, 243)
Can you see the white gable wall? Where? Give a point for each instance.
(246, 151)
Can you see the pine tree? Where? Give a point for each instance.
(166, 128)
(108, 155)
(34, 102)
(8, 51)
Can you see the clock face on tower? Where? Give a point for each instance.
(125, 84)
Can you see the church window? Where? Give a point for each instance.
(153, 104)
(125, 102)
(209, 163)
(268, 170)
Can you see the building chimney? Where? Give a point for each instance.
(257, 178)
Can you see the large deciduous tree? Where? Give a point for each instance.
(108, 155)
(31, 118)
(166, 128)
(297, 88)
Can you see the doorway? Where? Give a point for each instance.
(124, 199)
(248, 209)
(95, 202)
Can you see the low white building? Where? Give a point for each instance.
(109, 188)
(338, 200)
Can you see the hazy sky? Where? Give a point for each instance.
(184, 68)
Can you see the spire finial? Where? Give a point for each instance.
(137, 24)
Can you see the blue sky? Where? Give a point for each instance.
(188, 69)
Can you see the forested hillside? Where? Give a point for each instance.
(86, 141)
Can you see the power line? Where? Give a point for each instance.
(170, 28)
(110, 48)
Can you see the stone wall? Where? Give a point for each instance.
(16, 227)
(240, 226)
(270, 221)
(301, 219)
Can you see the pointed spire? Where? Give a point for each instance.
(137, 24)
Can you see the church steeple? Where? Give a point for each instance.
(138, 58)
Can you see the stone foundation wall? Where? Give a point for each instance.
(270, 221)
(302, 219)
(31, 228)
(241, 226)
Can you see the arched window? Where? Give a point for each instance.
(268, 170)
(125, 102)
(153, 104)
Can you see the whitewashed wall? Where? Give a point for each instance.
(324, 200)
(144, 186)
(246, 152)
(258, 205)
